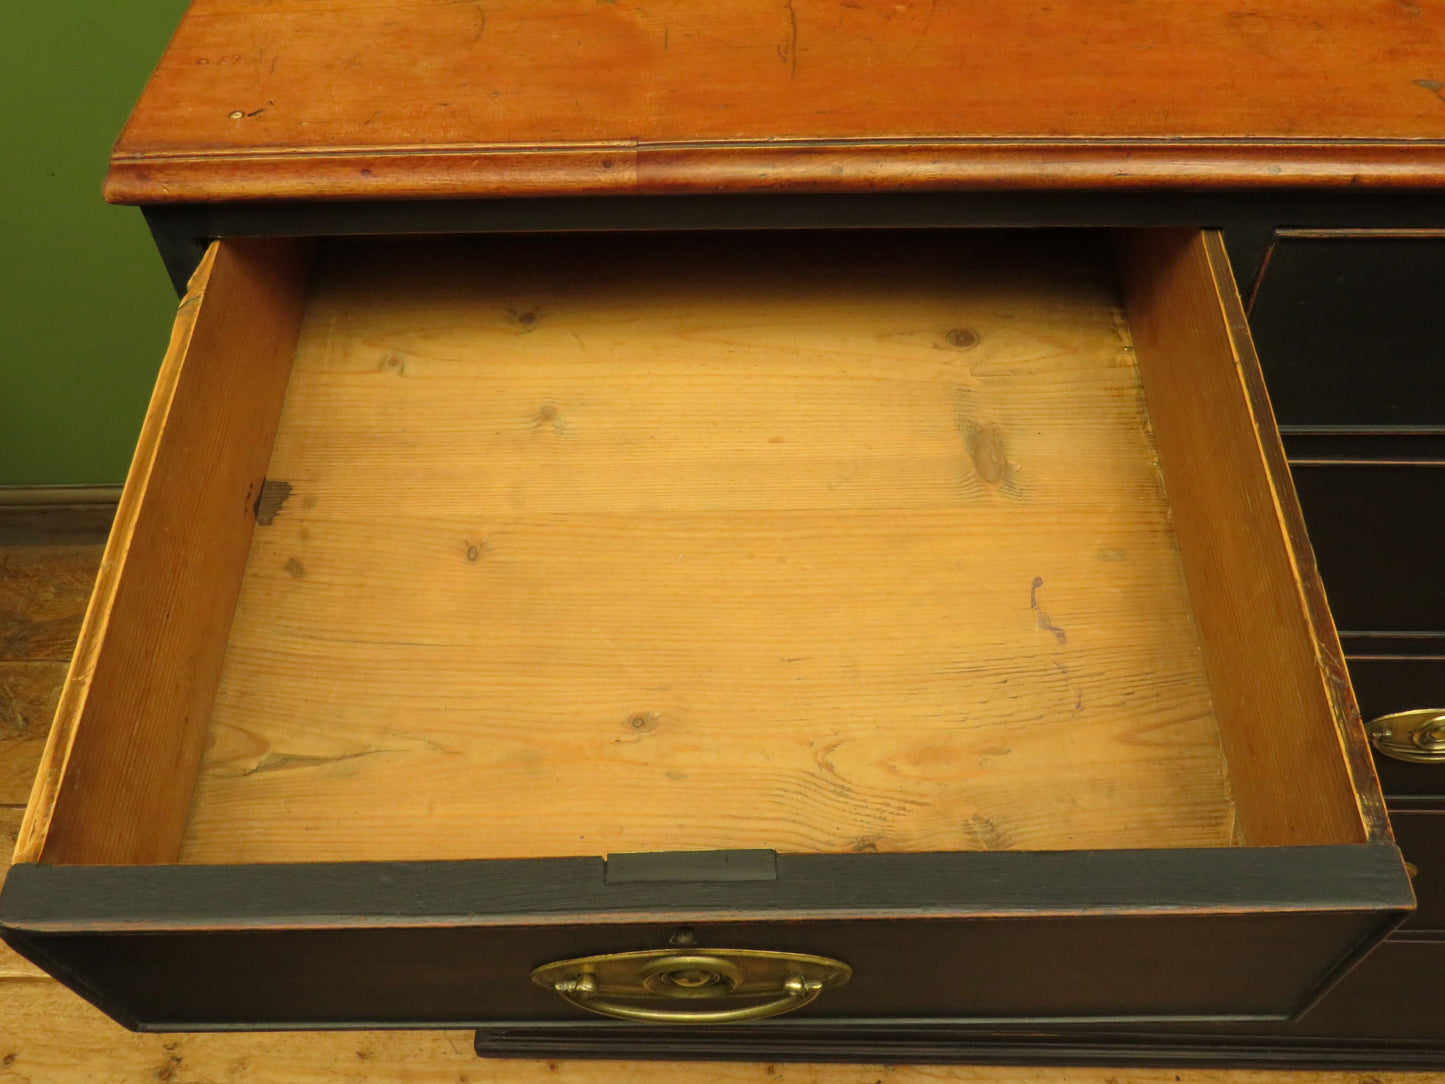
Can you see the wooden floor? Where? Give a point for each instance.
(50, 1036)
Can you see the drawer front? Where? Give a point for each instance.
(419, 978)
(1421, 836)
(943, 936)
(1395, 993)
(1349, 329)
(1376, 529)
(1384, 1014)
(1384, 686)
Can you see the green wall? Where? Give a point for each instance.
(85, 305)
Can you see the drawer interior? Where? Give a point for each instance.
(810, 543)
(818, 542)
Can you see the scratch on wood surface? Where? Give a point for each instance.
(1041, 615)
(927, 25)
(275, 762)
(789, 49)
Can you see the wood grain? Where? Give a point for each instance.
(1273, 657)
(43, 594)
(413, 99)
(48, 1034)
(44, 590)
(29, 692)
(12, 965)
(114, 784)
(819, 543)
(1357, 757)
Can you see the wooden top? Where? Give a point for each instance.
(290, 99)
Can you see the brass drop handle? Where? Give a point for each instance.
(608, 984)
(582, 993)
(1416, 736)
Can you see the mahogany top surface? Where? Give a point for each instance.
(288, 99)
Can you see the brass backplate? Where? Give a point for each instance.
(667, 974)
(1417, 736)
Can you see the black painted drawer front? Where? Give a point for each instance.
(1387, 685)
(448, 944)
(1376, 530)
(1421, 837)
(1351, 329)
(1397, 992)
(1384, 1013)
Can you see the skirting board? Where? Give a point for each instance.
(56, 515)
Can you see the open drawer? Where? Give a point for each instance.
(871, 625)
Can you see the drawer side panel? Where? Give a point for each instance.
(1274, 660)
(116, 779)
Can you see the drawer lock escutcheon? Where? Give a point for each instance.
(1417, 736)
(649, 985)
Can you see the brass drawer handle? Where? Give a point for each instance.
(1417, 736)
(789, 980)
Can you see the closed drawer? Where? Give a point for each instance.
(1375, 530)
(1349, 330)
(915, 610)
(1395, 993)
(1389, 685)
(1421, 835)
